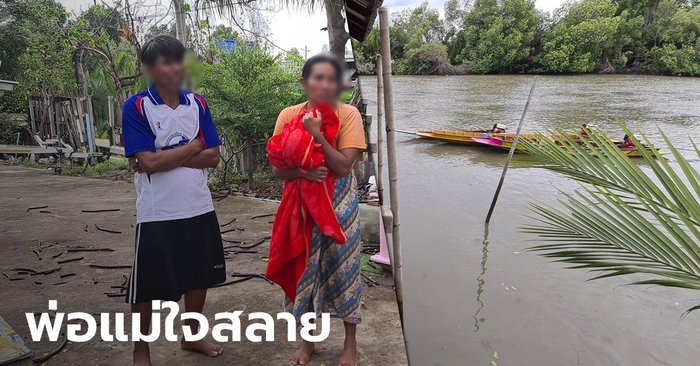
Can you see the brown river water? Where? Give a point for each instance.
(466, 300)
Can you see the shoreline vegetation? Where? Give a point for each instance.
(648, 37)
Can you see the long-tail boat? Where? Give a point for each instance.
(465, 137)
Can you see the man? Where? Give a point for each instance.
(171, 139)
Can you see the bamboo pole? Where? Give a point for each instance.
(391, 152)
(511, 152)
(110, 111)
(380, 133)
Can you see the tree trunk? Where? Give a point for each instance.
(337, 36)
(249, 161)
(80, 79)
(180, 30)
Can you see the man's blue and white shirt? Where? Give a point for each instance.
(148, 124)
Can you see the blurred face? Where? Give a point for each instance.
(168, 74)
(322, 84)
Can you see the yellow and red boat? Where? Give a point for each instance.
(465, 137)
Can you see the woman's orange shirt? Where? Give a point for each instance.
(351, 133)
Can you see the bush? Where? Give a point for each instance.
(670, 60)
(430, 58)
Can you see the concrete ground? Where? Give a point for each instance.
(31, 239)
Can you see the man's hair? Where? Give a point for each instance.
(323, 59)
(164, 46)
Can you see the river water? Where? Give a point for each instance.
(466, 300)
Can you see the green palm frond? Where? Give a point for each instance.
(622, 220)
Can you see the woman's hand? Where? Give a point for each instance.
(317, 175)
(312, 123)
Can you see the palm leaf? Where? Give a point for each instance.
(623, 220)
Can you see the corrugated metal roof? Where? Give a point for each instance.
(361, 15)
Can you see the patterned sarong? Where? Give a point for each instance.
(331, 282)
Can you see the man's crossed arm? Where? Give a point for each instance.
(192, 155)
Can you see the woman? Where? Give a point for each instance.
(331, 282)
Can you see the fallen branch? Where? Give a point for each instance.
(230, 222)
(369, 280)
(103, 210)
(36, 208)
(56, 351)
(228, 231)
(257, 243)
(261, 216)
(107, 230)
(236, 274)
(70, 260)
(99, 266)
(23, 270)
(47, 272)
(75, 250)
(111, 294)
(234, 281)
(243, 252)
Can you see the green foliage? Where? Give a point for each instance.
(582, 36)
(623, 220)
(246, 90)
(428, 58)
(587, 34)
(32, 50)
(498, 34)
(676, 39)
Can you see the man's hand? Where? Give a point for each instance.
(317, 175)
(161, 161)
(312, 123)
(206, 159)
(134, 166)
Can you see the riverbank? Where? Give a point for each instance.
(31, 238)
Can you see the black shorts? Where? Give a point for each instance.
(174, 257)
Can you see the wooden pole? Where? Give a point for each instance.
(110, 114)
(511, 152)
(380, 132)
(391, 152)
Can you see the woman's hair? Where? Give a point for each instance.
(323, 59)
(164, 46)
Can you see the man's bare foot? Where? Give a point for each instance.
(203, 347)
(142, 354)
(349, 357)
(302, 356)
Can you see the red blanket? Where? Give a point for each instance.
(304, 203)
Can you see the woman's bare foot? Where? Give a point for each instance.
(349, 357)
(203, 347)
(302, 356)
(142, 354)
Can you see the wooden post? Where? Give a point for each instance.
(90, 121)
(380, 133)
(32, 116)
(110, 114)
(391, 152)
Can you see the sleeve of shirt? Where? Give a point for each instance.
(352, 132)
(282, 119)
(206, 124)
(136, 131)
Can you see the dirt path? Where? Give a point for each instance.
(31, 238)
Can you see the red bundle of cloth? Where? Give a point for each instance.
(304, 203)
